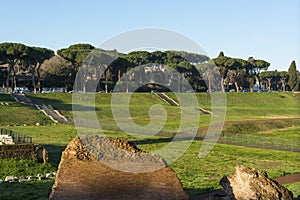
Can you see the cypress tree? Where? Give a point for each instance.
(293, 80)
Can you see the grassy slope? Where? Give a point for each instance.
(262, 105)
(247, 105)
(286, 138)
(139, 108)
(19, 114)
(60, 101)
(239, 105)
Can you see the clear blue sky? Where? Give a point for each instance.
(264, 29)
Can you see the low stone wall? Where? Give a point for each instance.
(30, 151)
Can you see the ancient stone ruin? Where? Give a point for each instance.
(94, 167)
(250, 183)
(29, 151)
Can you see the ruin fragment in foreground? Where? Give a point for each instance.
(82, 173)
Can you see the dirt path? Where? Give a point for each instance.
(291, 178)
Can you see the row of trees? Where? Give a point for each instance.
(105, 69)
(232, 72)
(165, 68)
(247, 74)
(20, 62)
(20, 58)
(281, 80)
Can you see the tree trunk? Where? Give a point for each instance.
(84, 87)
(222, 84)
(140, 74)
(257, 81)
(33, 80)
(236, 86)
(84, 77)
(38, 78)
(269, 83)
(209, 84)
(105, 76)
(8, 77)
(9, 70)
(282, 84)
(14, 79)
(127, 83)
(39, 85)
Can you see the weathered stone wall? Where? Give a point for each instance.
(81, 175)
(30, 151)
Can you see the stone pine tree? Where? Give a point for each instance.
(76, 54)
(293, 80)
(12, 54)
(224, 64)
(33, 62)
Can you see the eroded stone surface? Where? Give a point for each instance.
(250, 183)
(84, 174)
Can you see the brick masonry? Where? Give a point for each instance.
(82, 176)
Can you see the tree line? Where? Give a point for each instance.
(240, 74)
(37, 67)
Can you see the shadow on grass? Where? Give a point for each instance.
(6, 98)
(152, 141)
(54, 154)
(31, 190)
(57, 104)
(165, 140)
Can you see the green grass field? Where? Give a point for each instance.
(239, 106)
(197, 175)
(23, 168)
(18, 114)
(295, 187)
(277, 134)
(202, 175)
(36, 190)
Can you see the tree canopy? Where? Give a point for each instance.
(28, 58)
(19, 60)
(237, 71)
(76, 53)
(166, 67)
(192, 57)
(55, 71)
(293, 77)
(11, 54)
